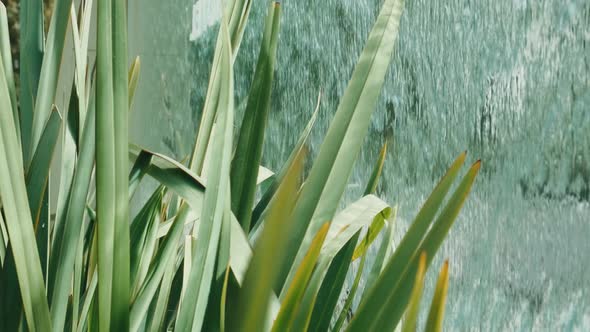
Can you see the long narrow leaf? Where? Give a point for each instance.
(167, 252)
(256, 290)
(409, 324)
(236, 16)
(133, 79)
(296, 291)
(251, 137)
(121, 281)
(374, 179)
(298, 150)
(173, 175)
(155, 323)
(6, 56)
(18, 218)
(388, 297)
(326, 183)
(344, 313)
(329, 292)
(3, 240)
(106, 207)
(53, 51)
(192, 309)
(410, 242)
(67, 236)
(383, 253)
(143, 238)
(437, 308)
(31, 58)
(38, 173)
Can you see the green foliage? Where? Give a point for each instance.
(202, 253)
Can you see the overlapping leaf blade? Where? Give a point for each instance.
(411, 320)
(326, 183)
(292, 302)
(31, 58)
(248, 153)
(192, 308)
(437, 308)
(386, 301)
(6, 56)
(18, 218)
(256, 291)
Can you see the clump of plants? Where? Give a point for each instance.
(202, 253)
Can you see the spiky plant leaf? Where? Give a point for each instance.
(297, 152)
(411, 319)
(256, 291)
(192, 308)
(292, 301)
(31, 58)
(326, 182)
(386, 301)
(374, 179)
(6, 56)
(248, 153)
(43, 97)
(18, 218)
(437, 308)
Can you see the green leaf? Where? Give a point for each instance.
(3, 240)
(80, 40)
(223, 302)
(138, 170)
(53, 50)
(38, 174)
(351, 295)
(68, 233)
(297, 152)
(192, 308)
(329, 292)
(172, 174)
(166, 253)
(374, 179)
(133, 79)
(69, 149)
(18, 219)
(437, 308)
(143, 238)
(121, 280)
(326, 183)
(248, 152)
(156, 322)
(385, 303)
(6, 56)
(264, 174)
(88, 302)
(256, 291)
(409, 324)
(383, 253)
(236, 13)
(368, 211)
(292, 301)
(31, 58)
(106, 167)
(78, 279)
(374, 230)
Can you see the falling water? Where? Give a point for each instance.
(509, 81)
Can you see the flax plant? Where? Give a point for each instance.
(202, 253)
